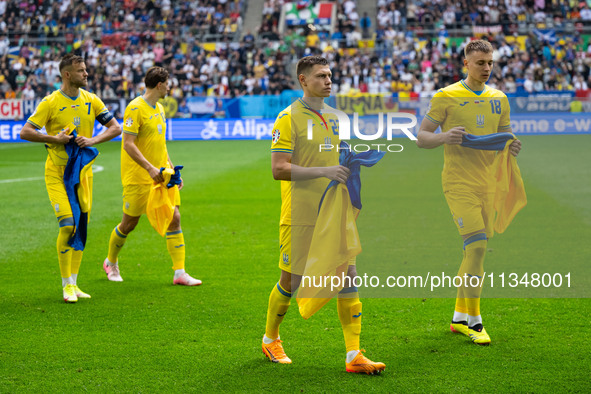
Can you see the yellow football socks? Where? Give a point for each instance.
(349, 309)
(460, 300)
(116, 242)
(472, 267)
(76, 261)
(175, 243)
(278, 305)
(64, 251)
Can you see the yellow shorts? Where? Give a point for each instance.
(295, 243)
(135, 199)
(471, 211)
(54, 182)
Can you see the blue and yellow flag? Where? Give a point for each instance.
(78, 186)
(510, 195)
(336, 240)
(160, 207)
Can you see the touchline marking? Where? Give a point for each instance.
(95, 169)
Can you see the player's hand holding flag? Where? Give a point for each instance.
(336, 240)
(160, 207)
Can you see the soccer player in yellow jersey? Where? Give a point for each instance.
(469, 107)
(143, 154)
(68, 105)
(305, 171)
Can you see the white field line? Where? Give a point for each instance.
(95, 169)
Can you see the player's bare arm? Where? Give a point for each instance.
(29, 133)
(284, 170)
(426, 137)
(113, 130)
(137, 156)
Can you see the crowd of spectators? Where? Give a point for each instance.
(402, 14)
(401, 63)
(136, 35)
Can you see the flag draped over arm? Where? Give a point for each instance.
(510, 195)
(77, 182)
(335, 241)
(160, 207)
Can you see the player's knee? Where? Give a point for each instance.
(290, 282)
(175, 224)
(476, 244)
(66, 229)
(352, 272)
(128, 224)
(126, 228)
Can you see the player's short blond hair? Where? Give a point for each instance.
(478, 46)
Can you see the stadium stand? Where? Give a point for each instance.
(413, 47)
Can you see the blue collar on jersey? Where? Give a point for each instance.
(478, 93)
(314, 111)
(71, 98)
(146, 101)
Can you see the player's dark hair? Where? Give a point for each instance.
(306, 63)
(478, 46)
(70, 59)
(154, 76)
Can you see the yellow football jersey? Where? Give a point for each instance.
(149, 125)
(480, 113)
(58, 110)
(299, 200)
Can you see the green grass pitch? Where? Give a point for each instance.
(145, 335)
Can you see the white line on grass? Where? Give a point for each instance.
(95, 169)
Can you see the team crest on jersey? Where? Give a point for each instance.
(460, 222)
(480, 121)
(159, 129)
(128, 122)
(76, 121)
(57, 207)
(276, 135)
